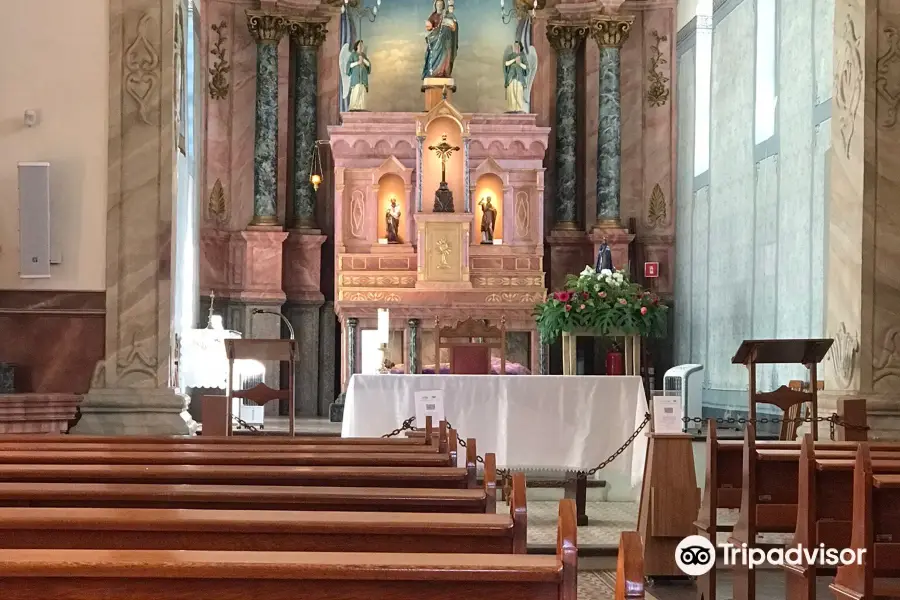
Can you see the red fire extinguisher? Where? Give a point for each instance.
(615, 361)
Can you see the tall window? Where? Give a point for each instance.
(703, 86)
(766, 45)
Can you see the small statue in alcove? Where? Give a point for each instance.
(488, 220)
(392, 220)
(604, 257)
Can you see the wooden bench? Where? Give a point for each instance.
(770, 470)
(630, 567)
(264, 531)
(876, 529)
(196, 575)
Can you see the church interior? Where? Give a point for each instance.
(544, 299)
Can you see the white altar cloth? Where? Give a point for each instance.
(529, 421)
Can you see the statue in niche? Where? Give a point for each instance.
(441, 41)
(519, 69)
(488, 220)
(604, 258)
(355, 69)
(392, 220)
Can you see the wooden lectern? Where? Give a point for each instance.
(808, 353)
(262, 350)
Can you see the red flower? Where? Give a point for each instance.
(581, 307)
(643, 310)
(602, 294)
(563, 296)
(623, 301)
(568, 307)
(585, 295)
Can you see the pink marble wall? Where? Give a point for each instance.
(634, 132)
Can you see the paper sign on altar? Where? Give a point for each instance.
(429, 403)
(667, 414)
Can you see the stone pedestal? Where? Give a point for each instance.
(437, 89)
(863, 283)
(618, 240)
(569, 253)
(37, 413)
(131, 390)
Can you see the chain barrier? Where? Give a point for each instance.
(834, 420)
(243, 423)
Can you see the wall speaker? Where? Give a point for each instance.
(34, 220)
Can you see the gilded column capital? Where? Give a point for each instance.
(266, 28)
(564, 35)
(611, 31)
(307, 33)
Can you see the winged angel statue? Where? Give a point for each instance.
(519, 69)
(355, 69)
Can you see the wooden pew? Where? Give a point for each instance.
(195, 575)
(876, 526)
(630, 567)
(264, 531)
(770, 493)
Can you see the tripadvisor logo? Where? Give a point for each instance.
(695, 555)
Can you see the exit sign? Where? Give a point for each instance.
(651, 270)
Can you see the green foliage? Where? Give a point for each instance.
(606, 303)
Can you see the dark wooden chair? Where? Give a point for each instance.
(470, 343)
(261, 394)
(789, 425)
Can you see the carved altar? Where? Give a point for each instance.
(439, 268)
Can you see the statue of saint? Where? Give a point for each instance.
(488, 220)
(392, 220)
(604, 258)
(441, 41)
(515, 70)
(355, 69)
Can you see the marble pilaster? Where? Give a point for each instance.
(305, 320)
(566, 38)
(412, 360)
(267, 30)
(132, 387)
(610, 32)
(543, 359)
(306, 37)
(327, 361)
(862, 281)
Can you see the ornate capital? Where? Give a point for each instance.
(307, 33)
(566, 36)
(611, 31)
(266, 28)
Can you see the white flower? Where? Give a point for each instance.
(618, 276)
(606, 272)
(588, 271)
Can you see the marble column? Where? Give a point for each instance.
(352, 335)
(267, 30)
(306, 37)
(610, 32)
(543, 359)
(863, 216)
(412, 360)
(327, 362)
(565, 38)
(132, 389)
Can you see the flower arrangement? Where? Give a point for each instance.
(605, 302)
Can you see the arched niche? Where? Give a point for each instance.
(431, 163)
(392, 180)
(488, 185)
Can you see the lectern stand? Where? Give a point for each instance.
(262, 350)
(808, 353)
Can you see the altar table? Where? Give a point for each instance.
(531, 422)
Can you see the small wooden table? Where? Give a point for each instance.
(632, 349)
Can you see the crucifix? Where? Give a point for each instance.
(443, 197)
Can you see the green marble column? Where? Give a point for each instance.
(352, 329)
(267, 30)
(412, 361)
(610, 32)
(306, 37)
(565, 38)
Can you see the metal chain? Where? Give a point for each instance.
(407, 425)
(621, 449)
(243, 423)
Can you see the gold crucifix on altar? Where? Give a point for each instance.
(443, 197)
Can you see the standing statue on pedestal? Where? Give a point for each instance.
(355, 69)
(519, 69)
(604, 258)
(392, 220)
(488, 220)
(441, 41)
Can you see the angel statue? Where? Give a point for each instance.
(441, 41)
(355, 69)
(519, 69)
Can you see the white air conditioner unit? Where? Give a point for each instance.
(248, 373)
(687, 381)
